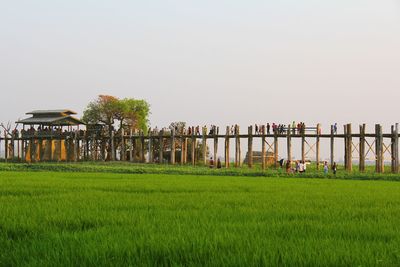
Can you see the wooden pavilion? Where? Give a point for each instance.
(41, 147)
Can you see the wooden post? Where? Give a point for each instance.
(112, 146)
(142, 148)
(182, 149)
(250, 147)
(227, 143)
(289, 144)
(237, 146)
(130, 146)
(332, 146)
(317, 146)
(345, 147)
(379, 167)
(392, 149)
(18, 149)
(263, 148)
(303, 146)
(5, 147)
(150, 147)
(361, 164)
(204, 146)
(76, 147)
(23, 155)
(173, 147)
(161, 147)
(349, 148)
(396, 148)
(93, 146)
(33, 149)
(193, 148)
(215, 146)
(123, 151)
(276, 148)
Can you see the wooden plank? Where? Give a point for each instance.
(361, 164)
(250, 147)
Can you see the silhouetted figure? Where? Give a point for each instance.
(219, 165)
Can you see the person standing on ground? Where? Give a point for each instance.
(334, 168)
(211, 163)
(219, 165)
(326, 168)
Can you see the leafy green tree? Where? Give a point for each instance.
(108, 110)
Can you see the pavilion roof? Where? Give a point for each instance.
(58, 117)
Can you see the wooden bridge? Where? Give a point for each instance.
(138, 147)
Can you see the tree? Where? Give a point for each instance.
(102, 110)
(134, 114)
(109, 110)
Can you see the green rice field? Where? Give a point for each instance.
(66, 218)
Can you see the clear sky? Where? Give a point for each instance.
(209, 61)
